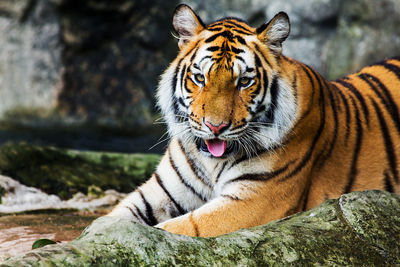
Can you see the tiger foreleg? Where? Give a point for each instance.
(164, 196)
(219, 216)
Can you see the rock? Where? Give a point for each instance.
(357, 229)
(94, 63)
(16, 197)
(367, 32)
(30, 56)
(65, 172)
(113, 55)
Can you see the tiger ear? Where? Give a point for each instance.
(275, 32)
(186, 24)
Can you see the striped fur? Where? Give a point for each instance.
(293, 139)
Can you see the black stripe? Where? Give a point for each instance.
(305, 195)
(241, 32)
(306, 158)
(258, 89)
(214, 29)
(248, 69)
(187, 88)
(180, 101)
(161, 184)
(239, 26)
(246, 157)
(204, 58)
(213, 48)
(183, 71)
(265, 84)
(236, 50)
(359, 97)
(241, 40)
(392, 68)
(290, 60)
(142, 216)
(257, 60)
(262, 28)
(347, 111)
(220, 171)
(359, 135)
(217, 23)
(396, 58)
(194, 54)
(173, 88)
(262, 55)
(226, 34)
(197, 171)
(195, 226)
(302, 202)
(295, 89)
(183, 180)
(391, 155)
(270, 114)
(386, 98)
(262, 177)
(336, 124)
(388, 183)
(195, 47)
(241, 59)
(234, 198)
(310, 106)
(289, 212)
(134, 213)
(149, 210)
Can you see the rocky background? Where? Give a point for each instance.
(82, 74)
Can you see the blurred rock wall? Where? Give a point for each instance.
(66, 62)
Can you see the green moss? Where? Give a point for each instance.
(95, 191)
(65, 172)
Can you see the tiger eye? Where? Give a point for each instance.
(199, 78)
(244, 81)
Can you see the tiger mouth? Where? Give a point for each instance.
(216, 147)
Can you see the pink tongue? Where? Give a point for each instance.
(216, 147)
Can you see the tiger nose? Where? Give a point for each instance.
(216, 129)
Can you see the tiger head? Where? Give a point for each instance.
(224, 91)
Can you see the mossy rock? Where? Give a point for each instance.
(64, 172)
(358, 229)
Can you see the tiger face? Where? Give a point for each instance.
(223, 89)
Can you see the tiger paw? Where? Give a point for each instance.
(181, 225)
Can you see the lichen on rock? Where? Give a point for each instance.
(360, 228)
(65, 172)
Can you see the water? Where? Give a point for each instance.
(19, 232)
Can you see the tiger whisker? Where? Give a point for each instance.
(168, 137)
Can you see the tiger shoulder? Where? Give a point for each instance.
(256, 136)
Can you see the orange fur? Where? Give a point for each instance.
(320, 178)
(340, 136)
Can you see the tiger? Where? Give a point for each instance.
(256, 136)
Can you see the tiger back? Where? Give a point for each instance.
(257, 136)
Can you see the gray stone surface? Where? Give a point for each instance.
(30, 55)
